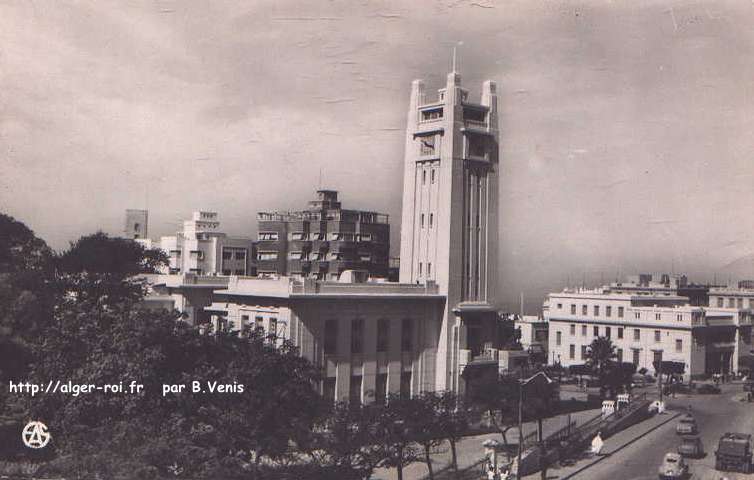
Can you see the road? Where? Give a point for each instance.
(715, 415)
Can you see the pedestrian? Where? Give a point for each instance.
(597, 444)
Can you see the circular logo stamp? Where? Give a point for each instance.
(35, 435)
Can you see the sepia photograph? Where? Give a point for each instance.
(376, 240)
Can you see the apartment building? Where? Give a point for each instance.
(200, 248)
(322, 241)
(645, 328)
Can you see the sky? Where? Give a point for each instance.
(626, 127)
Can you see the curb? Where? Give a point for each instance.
(633, 440)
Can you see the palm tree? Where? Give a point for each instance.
(600, 358)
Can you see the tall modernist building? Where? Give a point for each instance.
(323, 241)
(449, 227)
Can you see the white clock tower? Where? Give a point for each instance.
(449, 228)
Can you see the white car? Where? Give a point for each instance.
(673, 467)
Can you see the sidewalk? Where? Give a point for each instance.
(580, 467)
(471, 452)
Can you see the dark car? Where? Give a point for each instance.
(691, 447)
(707, 389)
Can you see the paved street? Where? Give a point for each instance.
(636, 453)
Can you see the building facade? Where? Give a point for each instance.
(322, 241)
(200, 248)
(645, 328)
(449, 229)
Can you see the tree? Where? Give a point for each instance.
(498, 397)
(344, 440)
(425, 425)
(393, 433)
(453, 417)
(600, 358)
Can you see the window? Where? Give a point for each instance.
(657, 316)
(427, 147)
(740, 303)
(635, 359)
(620, 332)
(583, 352)
(608, 311)
(560, 306)
(405, 384)
(657, 335)
(432, 175)
(620, 355)
(258, 323)
(620, 312)
(298, 235)
(354, 390)
(420, 268)
(268, 235)
(273, 326)
(331, 337)
(558, 338)
(596, 331)
(407, 334)
(380, 389)
(583, 330)
(731, 302)
(267, 256)
(678, 345)
(584, 310)
(751, 303)
(637, 315)
(383, 334)
(357, 335)
(596, 310)
(657, 358)
(432, 114)
(573, 309)
(200, 254)
(429, 268)
(571, 351)
(240, 254)
(720, 302)
(637, 334)
(422, 221)
(328, 389)
(424, 176)
(431, 219)
(227, 254)
(607, 332)
(573, 330)
(679, 317)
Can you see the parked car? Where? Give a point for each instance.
(673, 467)
(691, 447)
(707, 389)
(686, 426)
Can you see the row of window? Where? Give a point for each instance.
(431, 220)
(259, 323)
(608, 333)
(355, 386)
(636, 353)
(349, 237)
(428, 271)
(234, 254)
(734, 302)
(596, 310)
(238, 271)
(357, 335)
